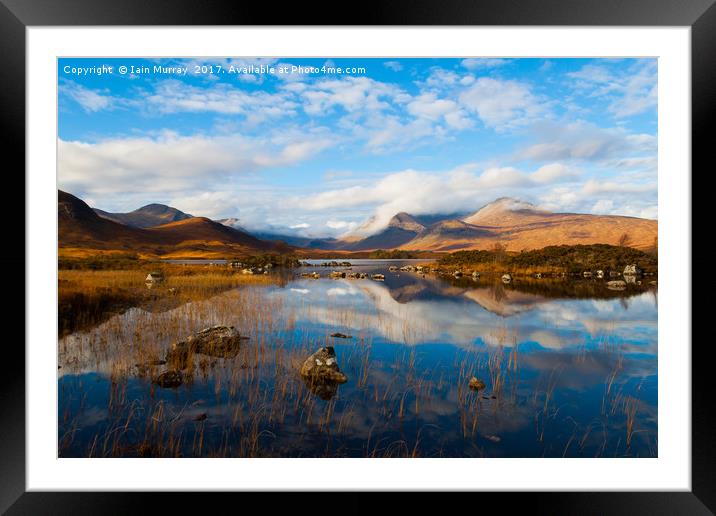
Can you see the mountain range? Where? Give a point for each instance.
(518, 225)
(514, 224)
(157, 229)
(81, 228)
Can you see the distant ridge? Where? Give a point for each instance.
(147, 216)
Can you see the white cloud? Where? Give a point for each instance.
(593, 187)
(173, 96)
(551, 173)
(441, 79)
(622, 196)
(583, 141)
(484, 62)
(639, 163)
(300, 226)
(207, 204)
(429, 106)
(594, 74)
(502, 104)
(603, 206)
(393, 65)
(169, 162)
(338, 291)
(628, 91)
(89, 100)
(640, 93)
(390, 132)
(340, 224)
(354, 94)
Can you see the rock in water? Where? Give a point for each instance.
(341, 336)
(169, 379)
(322, 367)
(475, 384)
(506, 278)
(216, 341)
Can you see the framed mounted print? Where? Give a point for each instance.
(401, 255)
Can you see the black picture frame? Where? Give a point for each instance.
(17, 15)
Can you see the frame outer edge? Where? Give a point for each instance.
(371, 12)
(12, 143)
(12, 95)
(703, 114)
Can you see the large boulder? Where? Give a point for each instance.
(322, 367)
(216, 341)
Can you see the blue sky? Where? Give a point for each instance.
(298, 147)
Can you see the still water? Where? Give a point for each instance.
(570, 369)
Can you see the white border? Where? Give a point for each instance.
(671, 470)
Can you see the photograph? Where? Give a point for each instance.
(357, 257)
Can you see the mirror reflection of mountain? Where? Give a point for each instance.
(431, 310)
(496, 296)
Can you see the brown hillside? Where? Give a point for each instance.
(554, 229)
(81, 228)
(203, 229)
